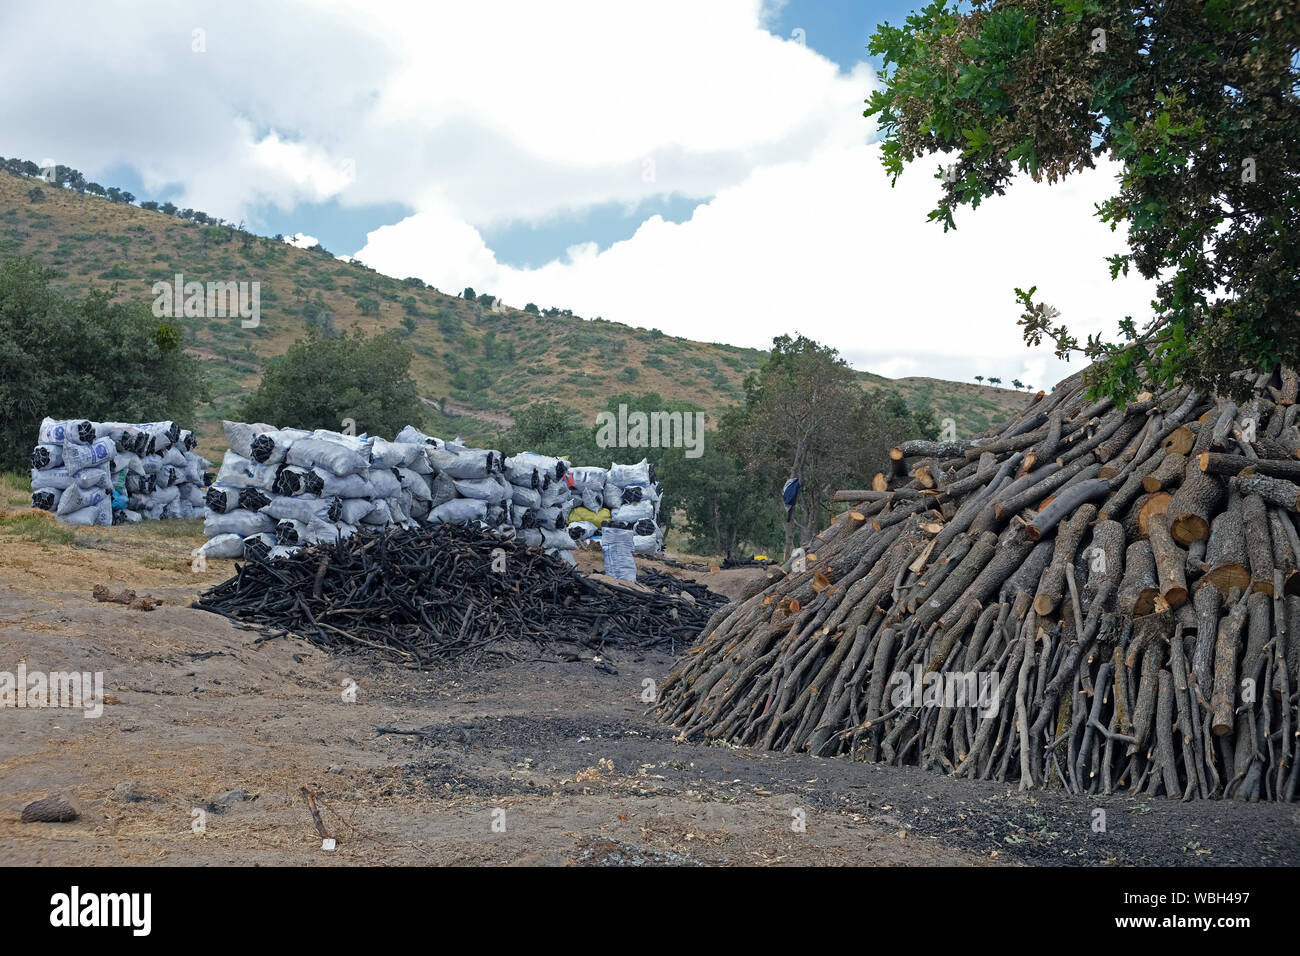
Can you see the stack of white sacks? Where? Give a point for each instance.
(102, 473)
(281, 488)
(632, 496)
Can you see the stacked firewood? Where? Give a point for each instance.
(1091, 598)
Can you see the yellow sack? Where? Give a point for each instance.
(586, 514)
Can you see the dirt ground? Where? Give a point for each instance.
(208, 738)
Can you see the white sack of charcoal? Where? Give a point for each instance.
(461, 463)
(412, 435)
(380, 513)
(383, 483)
(46, 499)
(354, 510)
(240, 435)
(333, 453)
(534, 471)
(100, 513)
(240, 521)
(257, 547)
(304, 508)
(641, 473)
(47, 455)
(529, 537)
(236, 471)
(413, 483)
(78, 431)
(343, 486)
(525, 496)
(398, 454)
(581, 530)
(95, 454)
(296, 480)
(629, 515)
(442, 488)
(73, 499)
(222, 546)
(616, 546)
(293, 533)
(493, 489)
(460, 511)
(648, 543)
(554, 539)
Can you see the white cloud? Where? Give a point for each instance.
(302, 240)
(825, 248)
(481, 115)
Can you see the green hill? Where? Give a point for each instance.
(474, 366)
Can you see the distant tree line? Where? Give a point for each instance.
(68, 178)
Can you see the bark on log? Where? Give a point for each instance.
(1193, 507)
(1170, 564)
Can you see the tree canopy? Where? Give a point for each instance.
(1199, 105)
(85, 358)
(806, 415)
(320, 382)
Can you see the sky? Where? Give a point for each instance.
(700, 168)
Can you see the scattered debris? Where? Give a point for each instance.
(145, 602)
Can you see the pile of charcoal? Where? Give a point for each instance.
(426, 596)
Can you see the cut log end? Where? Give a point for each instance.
(1226, 578)
(1188, 528)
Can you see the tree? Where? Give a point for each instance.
(468, 294)
(169, 208)
(993, 380)
(1198, 104)
(531, 307)
(1017, 384)
(979, 378)
(725, 509)
(95, 189)
(89, 358)
(319, 319)
(549, 428)
(319, 382)
(804, 415)
(36, 194)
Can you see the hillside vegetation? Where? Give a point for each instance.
(475, 366)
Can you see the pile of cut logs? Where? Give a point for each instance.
(1088, 598)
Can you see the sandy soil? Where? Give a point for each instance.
(539, 762)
